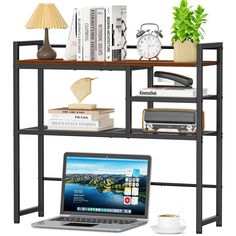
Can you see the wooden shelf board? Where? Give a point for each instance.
(133, 63)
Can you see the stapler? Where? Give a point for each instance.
(181, 81)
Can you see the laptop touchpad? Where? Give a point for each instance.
(80, 224)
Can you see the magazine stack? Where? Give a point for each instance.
(80, 119)
(97, 34)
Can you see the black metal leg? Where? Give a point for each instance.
(128, 99)
(199, 142)
(16, 112)
(150, 82)
(16, 179)
(219, 138)
(40, 143)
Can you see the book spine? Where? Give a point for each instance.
(80, 129)
(114, 32)
(100, 34)
(80, 117)
(123, 33)
(71, 46)
(79, 124)
(166, 92)
(74, 112)
(149, 92)
(108, 33)
(86, 112)
(86, 33)
(79, 35)
(92, 34)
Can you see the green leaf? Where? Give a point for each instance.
(188, 22)
(184, 4)
(204, 15)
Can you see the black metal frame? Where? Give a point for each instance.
(126, 132)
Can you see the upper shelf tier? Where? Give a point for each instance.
(61, 64)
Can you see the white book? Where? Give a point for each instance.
(79, 35)
(124, 33)
(100, 34)
(79, 124)
(80, 117)
(114, 32)
(80, 129)
(86, 33)
(93, 35)
(170, 92)
(71, 46)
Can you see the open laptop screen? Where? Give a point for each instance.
(105, 184)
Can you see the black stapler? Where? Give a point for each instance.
(181, 80)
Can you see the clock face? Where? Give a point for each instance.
(149, 46)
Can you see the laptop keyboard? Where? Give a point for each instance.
(93, 220)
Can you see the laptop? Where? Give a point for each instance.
(103, 192)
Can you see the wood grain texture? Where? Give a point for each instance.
(134, 63)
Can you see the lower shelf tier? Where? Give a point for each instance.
(113, 133)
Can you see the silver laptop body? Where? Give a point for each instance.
(103, 192)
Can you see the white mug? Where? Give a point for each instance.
(169, 221)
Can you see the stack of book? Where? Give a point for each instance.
(97, 34)
(79, 119)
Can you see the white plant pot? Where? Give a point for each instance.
(185, 52)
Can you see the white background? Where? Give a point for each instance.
(173, 161)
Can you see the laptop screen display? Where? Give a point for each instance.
(105, 185)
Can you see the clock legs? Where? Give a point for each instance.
(156, 57)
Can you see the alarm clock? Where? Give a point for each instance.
(149, 44)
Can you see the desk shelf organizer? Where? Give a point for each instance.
(128, 132)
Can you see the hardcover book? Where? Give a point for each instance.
(80, 129)
(100, 34)
(81, 117)
(96, 111)
(170, 92)
(80, 124)
(79, 35)
(71, 46)
(115, 38)
(86, 33)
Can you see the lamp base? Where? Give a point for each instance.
(46, 52)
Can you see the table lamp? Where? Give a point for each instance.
(46, 16)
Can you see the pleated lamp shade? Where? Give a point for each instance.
(46, 16)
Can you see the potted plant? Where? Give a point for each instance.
(187, 31)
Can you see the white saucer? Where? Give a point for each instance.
(177, 230)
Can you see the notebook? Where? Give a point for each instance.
(103, 192)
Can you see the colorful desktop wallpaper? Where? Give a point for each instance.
(105, 185)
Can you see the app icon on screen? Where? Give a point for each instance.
(129, 172)
(127, 191)
(127, 200)
(136, 173)
(134, 201)
(135, 191)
